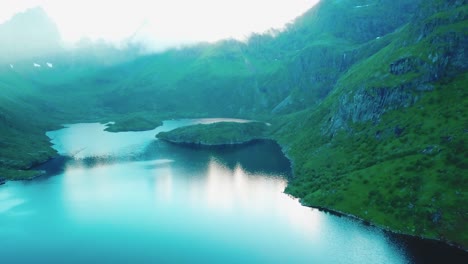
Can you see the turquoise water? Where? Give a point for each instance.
(129, 198)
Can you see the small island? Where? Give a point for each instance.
(216, 134)
(137, 122)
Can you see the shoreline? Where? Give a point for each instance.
(322, 208)
(318, 207)
(383, 228)
(223, 145)
(364, 221)
(283, 148)
(35, 173)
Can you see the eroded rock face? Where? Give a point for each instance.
(403, 66)
(441, 54)
(369, 104)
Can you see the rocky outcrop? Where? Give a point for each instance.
(368, 105)
(403, 66)
(438, 53)
(390, 121)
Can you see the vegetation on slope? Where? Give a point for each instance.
(405, 173)
(389, 143)
(370, 106)
(134, 122)
(216, 134)
(23, 142)
(284, 72)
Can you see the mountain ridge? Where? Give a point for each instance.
(28, 35)
(369, 105)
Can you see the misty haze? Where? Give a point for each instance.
(298, 131)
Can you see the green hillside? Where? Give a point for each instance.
(217, 134)
(370, 105)
(23, 123)
(389, 143)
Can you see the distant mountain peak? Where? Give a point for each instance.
(29, 34)
(34, 12)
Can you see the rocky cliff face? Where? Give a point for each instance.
(335, 43)
(431, 50)
(368, 105)
(367, 97)
(391, 133)
(292, 71)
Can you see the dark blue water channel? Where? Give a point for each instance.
(129, 198)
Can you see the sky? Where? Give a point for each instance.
(162, 22)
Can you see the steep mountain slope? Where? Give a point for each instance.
(367, 98)
(24, 118)
(279, 73)
(28, 35)
(31, 46)
(32, 58)
(389, 144)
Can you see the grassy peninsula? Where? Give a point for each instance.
(370, 106)
(217, 134)
(134, 122)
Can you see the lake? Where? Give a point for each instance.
(130, 198)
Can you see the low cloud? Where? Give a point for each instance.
(159, 24)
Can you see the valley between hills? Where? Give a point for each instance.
(370, 106)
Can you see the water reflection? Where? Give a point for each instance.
(175, 204)
(90, 140)
(8, 202)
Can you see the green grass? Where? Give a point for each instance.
(402, 182)
(135, 122)
(222, 133)
(23, 143)
(404, 169)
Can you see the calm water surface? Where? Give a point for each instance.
(129, 198)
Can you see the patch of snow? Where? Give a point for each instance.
(36, 65)
(50, 65)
